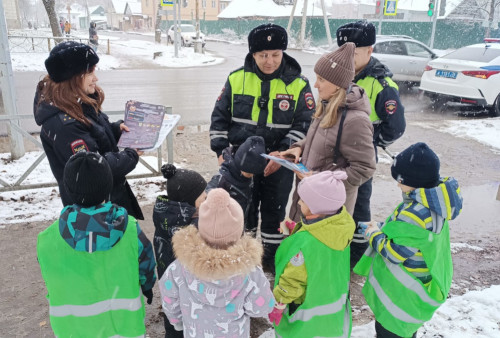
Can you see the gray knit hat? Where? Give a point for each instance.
(337, 67)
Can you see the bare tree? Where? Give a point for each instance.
(483, 9)
(51, 13)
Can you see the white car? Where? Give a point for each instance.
(469, 75)
(404, 56)
(187, 35)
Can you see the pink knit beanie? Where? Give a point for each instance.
(337, 67)
(220, 220)
(324, 193)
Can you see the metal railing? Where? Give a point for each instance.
(44, 44)
(16, 186)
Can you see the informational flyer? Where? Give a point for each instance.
(144, 121)
(287, 164)
(169, 122)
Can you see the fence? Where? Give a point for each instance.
(42, 44)
(16, 186)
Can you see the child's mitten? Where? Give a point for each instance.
(277, 313)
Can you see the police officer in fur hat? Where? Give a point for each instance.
(387, 112)
(266, 97)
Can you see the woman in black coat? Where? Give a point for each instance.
(67, 106)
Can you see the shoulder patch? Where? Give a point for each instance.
(391, 106)
(309, 100)
(79, 146)
(298, 259)
(65, 118)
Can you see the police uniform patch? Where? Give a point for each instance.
(284, 105)
(391, 106)
(297, 260)
(309, 100)
(284, 97)
(79, 146)
(221, 92)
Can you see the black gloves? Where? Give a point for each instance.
(149, 295)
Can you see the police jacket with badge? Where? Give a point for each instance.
(62, 136)
(277, 107)
(387, 113)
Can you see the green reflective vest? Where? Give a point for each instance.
(99, 298)
(372, 88)
(326, 310)
(246, 90)
(399, 301)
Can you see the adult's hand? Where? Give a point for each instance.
(220, 159)
(123, 127)
(139, 152)
(292, 152)
(301, 175)
(272, 166)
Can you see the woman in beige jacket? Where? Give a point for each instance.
(341, 134)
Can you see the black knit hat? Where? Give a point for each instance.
(88, 179)
(417, 166)
(362, 33)
(248, 159)
(68, 59)
(183, 185)
(267, 37)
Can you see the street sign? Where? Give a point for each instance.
(167, 3)
(390, 8)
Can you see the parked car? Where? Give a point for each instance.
(187, 34)
(405, 56)
(469, 75)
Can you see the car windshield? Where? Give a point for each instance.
(187, 29)
(474, 54)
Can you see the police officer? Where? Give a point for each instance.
(266, 97)
(387, 112)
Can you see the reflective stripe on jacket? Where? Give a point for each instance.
(399, 301)
(326, 310)
(93, 294)
(373, 87)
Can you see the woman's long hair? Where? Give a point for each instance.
(331, 109)
(69, 95)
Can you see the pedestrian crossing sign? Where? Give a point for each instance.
(167, 3)
(390, 7)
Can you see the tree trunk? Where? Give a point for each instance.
(51, 13)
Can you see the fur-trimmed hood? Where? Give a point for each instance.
(209, 263)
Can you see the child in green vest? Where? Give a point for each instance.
(94, 259)
(316, 258)
(408, 263)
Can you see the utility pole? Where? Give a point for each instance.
(491, 17)
(198, 46)
(303, 26)
(381, 5)
(7, 90)
(434, 21)
(176, 31)
(327, 25)
(291, 18)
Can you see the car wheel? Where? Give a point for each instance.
(437, 102)
(495, 109)
(183, 44)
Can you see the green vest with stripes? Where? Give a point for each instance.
(399, 301)
(372, 88)
(326, 310)
(246, 90)
(92, 294)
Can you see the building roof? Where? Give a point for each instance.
(267, 8)
(119, 6)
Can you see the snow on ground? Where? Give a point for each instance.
(123, 54)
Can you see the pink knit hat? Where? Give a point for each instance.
(324, 193)
(221, 219)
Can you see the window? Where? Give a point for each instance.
(204, 4)
(390, 47)
(479, 54)
(414, 49)
(222, 6)
(213, 3)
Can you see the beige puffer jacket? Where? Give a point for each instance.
(357, 153)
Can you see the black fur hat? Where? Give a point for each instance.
(267, 37)
(417, 166)
(362, 33)
(68, 59)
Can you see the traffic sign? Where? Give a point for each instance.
(390, 8)
(167, 3)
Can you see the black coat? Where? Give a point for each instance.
(62, 136)
(230, 179)
(168, 217)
